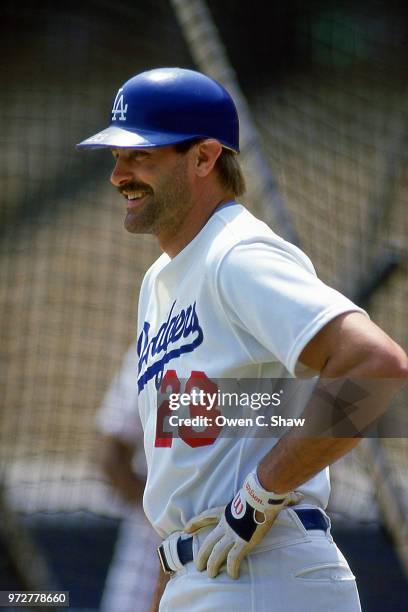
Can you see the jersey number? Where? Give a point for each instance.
(171, 384)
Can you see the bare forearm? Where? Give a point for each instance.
(160, 586)
(294, 461)
(302, 453)
(329, 433)
(115, 457)
(128, 485)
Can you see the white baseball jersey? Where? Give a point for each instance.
(237, 302)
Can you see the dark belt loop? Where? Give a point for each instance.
(312, 519)
(163, 561)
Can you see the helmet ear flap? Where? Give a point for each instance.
(167, 106)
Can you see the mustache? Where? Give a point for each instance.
(134, 186)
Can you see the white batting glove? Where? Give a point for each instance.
(238, 529)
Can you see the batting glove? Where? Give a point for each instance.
(238, 526)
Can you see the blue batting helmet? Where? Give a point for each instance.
(169, 105)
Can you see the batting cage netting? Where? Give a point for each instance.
(322, 92)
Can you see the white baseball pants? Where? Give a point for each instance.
(290, 570)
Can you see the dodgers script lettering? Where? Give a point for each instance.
(180, 333)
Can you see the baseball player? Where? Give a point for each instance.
(132, 574)
(241, 517)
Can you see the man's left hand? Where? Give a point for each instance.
(241, 525)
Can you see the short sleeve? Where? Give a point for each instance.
(271, 291)
(118, 413)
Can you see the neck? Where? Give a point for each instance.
(192, 223)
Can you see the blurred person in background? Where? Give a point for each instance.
(133, 571)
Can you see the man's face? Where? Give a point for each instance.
(156, 186)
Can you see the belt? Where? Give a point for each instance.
(179, 551)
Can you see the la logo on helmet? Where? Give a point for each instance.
(119, 108)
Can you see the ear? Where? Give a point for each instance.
(207, 153)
